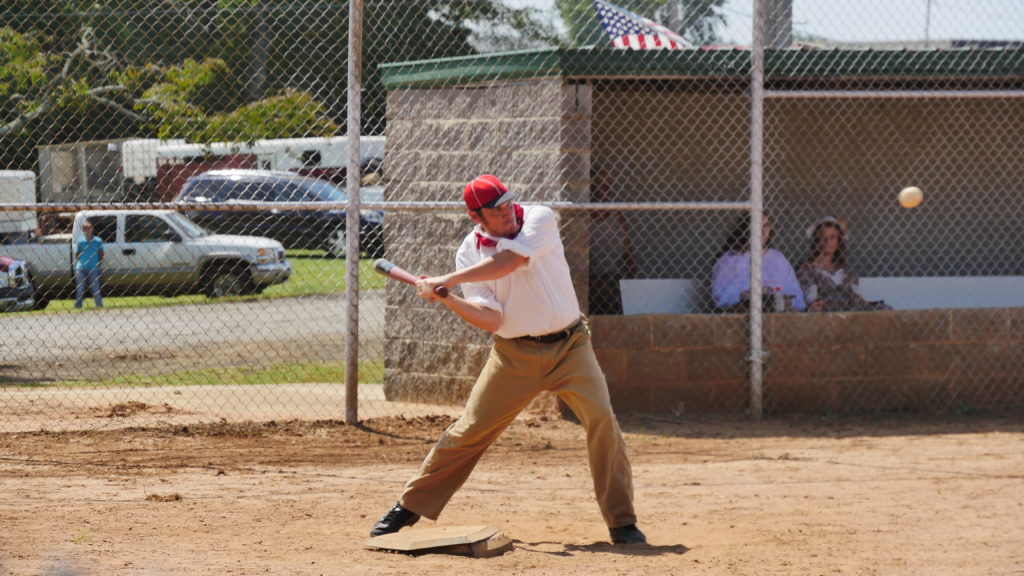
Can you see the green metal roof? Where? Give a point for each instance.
(796, 63)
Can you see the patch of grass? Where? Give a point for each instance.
(314, 274)
(311, 274)
(286, 373)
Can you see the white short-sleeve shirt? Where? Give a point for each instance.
(538, 297)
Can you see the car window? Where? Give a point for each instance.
(200, 189)
(262, 191)
(219, 190)
(145, 228)
(104, 227)
(244, 191)
(290, 192)
(323, 191)
(188, 227)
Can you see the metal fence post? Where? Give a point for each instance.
(756, 222)
(352, 175)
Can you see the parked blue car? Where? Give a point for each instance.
(309, 229)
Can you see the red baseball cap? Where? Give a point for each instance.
(486, 192)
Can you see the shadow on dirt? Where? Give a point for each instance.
(822, 426)
(15, 375)
(602, 548)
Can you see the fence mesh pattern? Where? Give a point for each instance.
(204, 144)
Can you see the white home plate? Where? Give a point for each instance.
(478, 541)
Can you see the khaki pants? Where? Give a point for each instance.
(515, 373)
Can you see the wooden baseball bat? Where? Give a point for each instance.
(389, 269)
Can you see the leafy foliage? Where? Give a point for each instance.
(174, 107)
(276, 117)
(22, 65)
(211, 70)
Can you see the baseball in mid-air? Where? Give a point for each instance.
(911, 197)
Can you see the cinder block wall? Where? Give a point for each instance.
(532, 134)
(913, 360)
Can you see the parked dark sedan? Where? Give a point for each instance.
(317, 229)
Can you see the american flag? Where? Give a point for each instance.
(632, 31)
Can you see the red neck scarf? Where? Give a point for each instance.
(482, 240)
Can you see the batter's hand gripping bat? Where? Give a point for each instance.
(388, 268)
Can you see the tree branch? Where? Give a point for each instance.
(19, 122)
(117, 107)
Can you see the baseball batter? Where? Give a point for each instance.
(516, 284)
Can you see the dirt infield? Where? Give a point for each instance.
(781, 497)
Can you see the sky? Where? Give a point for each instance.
(890, 20)
(869, 20)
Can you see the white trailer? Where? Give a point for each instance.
(17, 187)
(141, 158)
(138, 157)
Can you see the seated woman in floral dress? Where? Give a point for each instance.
(828, 282)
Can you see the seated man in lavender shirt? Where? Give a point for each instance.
(730, 279)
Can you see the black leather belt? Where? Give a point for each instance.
(554, 336)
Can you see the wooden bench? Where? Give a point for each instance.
(691, 296)
(934, 292)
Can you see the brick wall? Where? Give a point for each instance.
(913, 360)
(535, 136)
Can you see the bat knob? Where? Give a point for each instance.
(441, 291)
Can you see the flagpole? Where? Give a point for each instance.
(756, 208)
(927, 21)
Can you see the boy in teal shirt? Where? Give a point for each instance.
(87, 266)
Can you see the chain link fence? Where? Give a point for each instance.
(207, 143)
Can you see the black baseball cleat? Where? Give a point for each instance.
(396, 519)
(627, 535)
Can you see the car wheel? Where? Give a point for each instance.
(336, 243)
(40, 299)
(228, 281)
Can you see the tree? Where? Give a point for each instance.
(407, 30)
(85, 94)
(171, 108)
(55, 97)
(203, 70)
